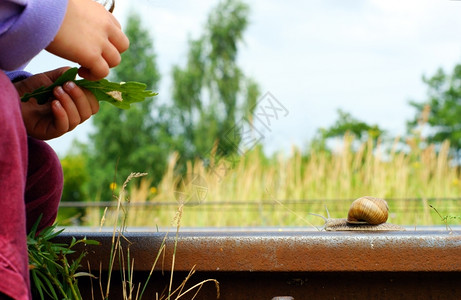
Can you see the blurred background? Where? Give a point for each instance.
(268, 111)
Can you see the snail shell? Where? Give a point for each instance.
(368, 210)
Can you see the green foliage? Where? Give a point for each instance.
(76, 175)
(346, 124)
(441, 110)
(130, 140)
(52, 274)
(211, 93)
(120, 95)
(139, 61)
(76, 179)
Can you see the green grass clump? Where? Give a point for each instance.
(52, 274)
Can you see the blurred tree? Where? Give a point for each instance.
(76, 177)
(131, 140)
(346, 123)
(352, 132)
(210, 93)
(441, 110)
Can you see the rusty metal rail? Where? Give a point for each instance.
(301, 264)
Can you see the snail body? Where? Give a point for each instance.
(366, 213)
(344, 225)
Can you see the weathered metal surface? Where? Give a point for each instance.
(299, 285)
(299, 264)
(292, 251)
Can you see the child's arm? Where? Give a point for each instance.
(81, 31)
(26, 28)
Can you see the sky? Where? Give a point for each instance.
(366, 57)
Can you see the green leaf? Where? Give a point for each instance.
(84, 274)
(120, 95)
(90, 242)
(45, 94)
(38, 284)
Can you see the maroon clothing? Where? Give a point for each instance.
(30, 185)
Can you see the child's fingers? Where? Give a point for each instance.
(94, 103)
(72, 106)
(116, 22)
(90, 36)
(80, 100)
(97, 71)
(61, 121)
(69, 106)
(111, 56)
(120, 41)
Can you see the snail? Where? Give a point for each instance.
(365, 213)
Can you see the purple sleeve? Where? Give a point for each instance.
(17, 75)
(26, 28)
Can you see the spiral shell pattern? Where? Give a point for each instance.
(368, 210)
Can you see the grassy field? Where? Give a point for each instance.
(282, 191)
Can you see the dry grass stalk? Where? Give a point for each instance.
(127, 263)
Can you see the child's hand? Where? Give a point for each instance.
(91, 37)
(72, 106)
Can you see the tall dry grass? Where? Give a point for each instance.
(120, 251)
(283, 190)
